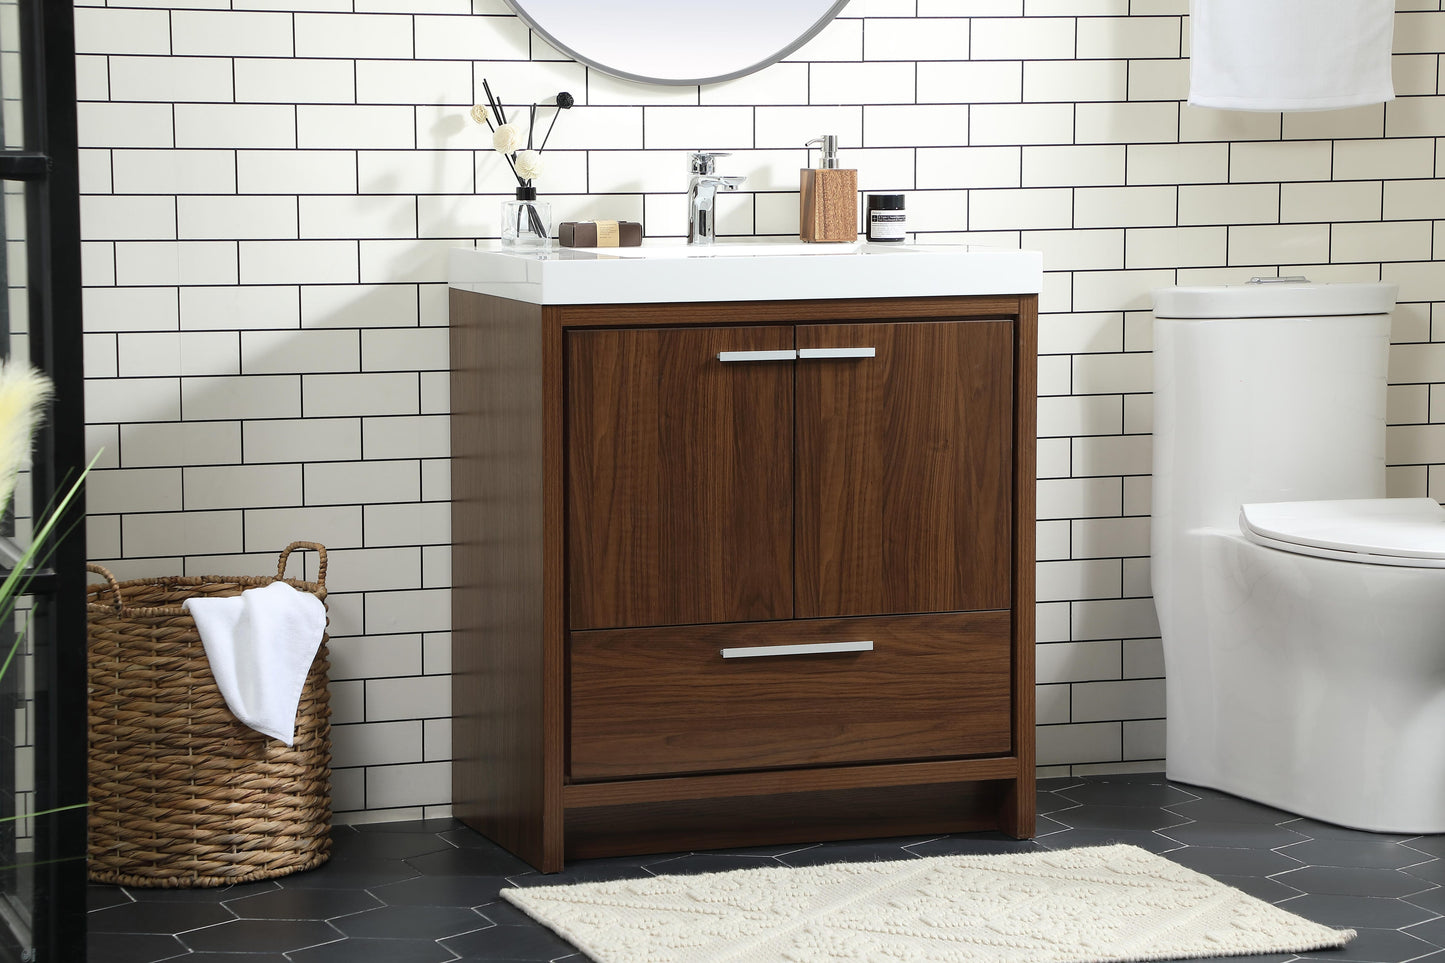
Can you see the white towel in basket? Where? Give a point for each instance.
(1290, 54)
(260, 645)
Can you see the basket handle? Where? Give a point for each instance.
(316, 547)
(104, 572)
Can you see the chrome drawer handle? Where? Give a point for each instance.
(805, 648)
(823, 353)
(786, 354)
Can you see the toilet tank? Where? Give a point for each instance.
(1267, 391)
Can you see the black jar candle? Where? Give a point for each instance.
(886, 220)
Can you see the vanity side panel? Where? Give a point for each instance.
(1017, 817)
(499, 736)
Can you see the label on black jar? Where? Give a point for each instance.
(886, 225)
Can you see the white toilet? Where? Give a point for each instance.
(1302, 612)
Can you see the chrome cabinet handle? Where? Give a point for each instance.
(785, 354)
(805, 648)
(788, 354)
(822, 353)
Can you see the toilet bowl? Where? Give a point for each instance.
(1302, 613)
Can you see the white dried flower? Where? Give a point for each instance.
(507, 138)
(23, 394)
(528, 163)
(479, 113)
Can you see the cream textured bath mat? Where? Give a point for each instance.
(1090, 905)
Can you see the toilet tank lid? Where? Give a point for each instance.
(1275, 299)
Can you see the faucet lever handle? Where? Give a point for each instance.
(701, 161)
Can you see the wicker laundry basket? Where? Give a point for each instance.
(182, 794)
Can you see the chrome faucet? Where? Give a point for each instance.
(701, 190)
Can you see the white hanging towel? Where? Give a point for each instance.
(1290, 54)
(260, 645)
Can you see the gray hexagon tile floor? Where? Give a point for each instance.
(426, 892)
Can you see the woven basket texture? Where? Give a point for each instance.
(182, 794)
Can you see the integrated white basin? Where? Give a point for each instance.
(666, 271)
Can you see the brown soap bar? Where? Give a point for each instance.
(599, 234)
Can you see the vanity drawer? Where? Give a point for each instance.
(689, 699)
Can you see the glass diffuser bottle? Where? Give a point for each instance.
(526, 221)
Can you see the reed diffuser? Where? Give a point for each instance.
(526, 221)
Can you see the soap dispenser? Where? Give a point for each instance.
(828, 197)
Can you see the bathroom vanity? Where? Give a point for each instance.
(743, 544)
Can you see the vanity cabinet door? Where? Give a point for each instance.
(904, 468)
(679, 476)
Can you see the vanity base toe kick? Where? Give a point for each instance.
(744, 573)
(863, 802)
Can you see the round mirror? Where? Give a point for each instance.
(671, 42)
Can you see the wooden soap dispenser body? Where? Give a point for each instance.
(828, 197)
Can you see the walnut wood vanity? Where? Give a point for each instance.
(731, 572)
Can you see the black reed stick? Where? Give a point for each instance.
(495, 104)
(549, 130)
(564, 102)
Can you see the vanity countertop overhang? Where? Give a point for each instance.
(662, 272)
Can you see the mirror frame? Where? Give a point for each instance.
(519, 8)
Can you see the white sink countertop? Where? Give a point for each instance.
(665, 271)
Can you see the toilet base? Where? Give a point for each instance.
(1308, 684)
(1299, 807)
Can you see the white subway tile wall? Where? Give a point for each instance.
(269, 194)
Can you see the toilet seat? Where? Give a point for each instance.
(1374, 531)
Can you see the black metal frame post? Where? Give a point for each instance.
(49, 161)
